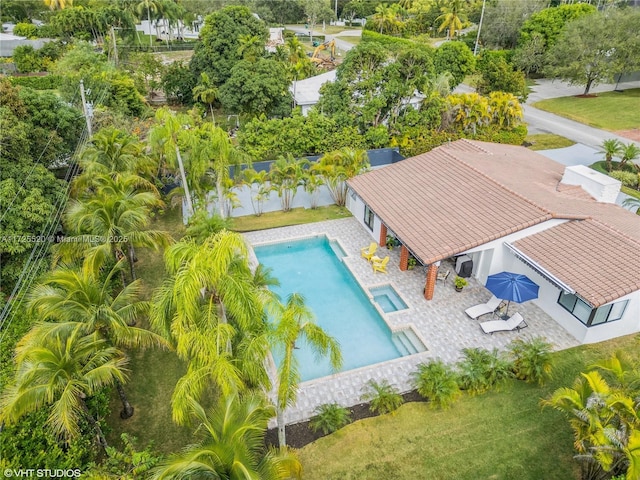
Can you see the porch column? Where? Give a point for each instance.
(404, 258)
(430, 286)
(383, 235)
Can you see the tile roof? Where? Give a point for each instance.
(589, 256)
(467, 193)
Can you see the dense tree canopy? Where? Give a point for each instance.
(503, 20)
(456, 58)
(551, 21)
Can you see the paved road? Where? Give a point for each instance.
(340, 44)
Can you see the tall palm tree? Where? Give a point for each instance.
(452, 17)
(149, 6)
(386, 18)
(211, 308)
(339, 166)
(294, 322)
(610, 148)
(167, 137)
(232, 445)
(112, 222)
(80, 299)
(286, 174)
(207, 92)
(62, 370)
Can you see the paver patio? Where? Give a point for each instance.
(441, 322)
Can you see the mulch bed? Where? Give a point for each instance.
(300, 434)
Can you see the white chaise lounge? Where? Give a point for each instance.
(512, 323)
(484, 308)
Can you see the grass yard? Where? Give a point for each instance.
(500, 435)
(609, 110)
(154, 372)
(297, 216)
(547, 141)
(352, 40)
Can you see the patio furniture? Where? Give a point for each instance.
(443, 276)
(379, 264)
(483, 308)
(367, 252)
(512, 287)
(512, 323)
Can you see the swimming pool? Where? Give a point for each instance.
(313, 268)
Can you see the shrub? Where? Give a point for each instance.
(28, 30)
(27, 60)
(329, 418)
(437, 382)
(383, 398)
(47, 82)
(532, 359)
(628, 179)
(482, 369)
(392, 43)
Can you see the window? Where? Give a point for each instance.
(591, 316)
(368, 217)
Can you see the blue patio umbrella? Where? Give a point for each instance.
(512, 287)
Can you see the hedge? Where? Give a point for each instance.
(387, 40)
(47, 82)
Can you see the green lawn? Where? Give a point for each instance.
(500, 435)
(547, 141)
(610, 110)
(296, 216)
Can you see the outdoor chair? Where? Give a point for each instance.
(379, 264)
(512, 323)
(484, 308)
(367, 252)
(443, 276)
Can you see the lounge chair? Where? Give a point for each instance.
(512, 323)
(367, 252)
(443, 275)
(484, 308)
(379, 264)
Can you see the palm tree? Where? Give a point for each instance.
(386, 18)
(62, 370)
(286, 175)
(79, 299)
(111, 223)
(166, 138)
(629, 153)
(295, 322)
(211, 308)
(149, 6)
(339, 166)
(610, 148)
(251, 47)
(630, 203)
(207, 92)
(232, 445)
(470, 109)
(505, 108)
(112, 152)
(58, 4)
(452, 17)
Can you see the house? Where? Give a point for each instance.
(509, 208)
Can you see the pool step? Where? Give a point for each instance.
(403, 343)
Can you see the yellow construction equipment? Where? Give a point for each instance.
(315, 58)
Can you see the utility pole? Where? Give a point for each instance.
(86, 109)
(336, 10)
(475, 49)
(115, 46)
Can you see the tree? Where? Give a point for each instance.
(27, 59)
(218, 50)
(456, 58)
(251, 47)
(79, 299)
(470, 109)
(62, 370)
(112, 222)
(316, 11)
(505, 109)
(610, 148)
(453, 15)
(497, 75)
(338, 167)
(386, 18)
(178, 83)
(629, 153)
(551, 22)
(286, 174)
(231, 446)
(531, 57)
(210, 308)
(437, 382)
(206, 92)
(256, 88)
(148, 6)
(583, 54)
(58, 4)
(503, 20)
(294, 323)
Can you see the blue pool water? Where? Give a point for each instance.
(388, 299)
(312, 268)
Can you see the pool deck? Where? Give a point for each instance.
(441, 322)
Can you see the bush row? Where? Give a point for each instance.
(46, 82)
